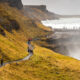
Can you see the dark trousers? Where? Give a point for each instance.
(1, 62)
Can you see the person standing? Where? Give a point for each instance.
(30, 49)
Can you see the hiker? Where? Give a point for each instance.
(30, 49)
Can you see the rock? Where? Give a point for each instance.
(14, 3)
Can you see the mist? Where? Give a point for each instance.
(67, 36)
(74, 47)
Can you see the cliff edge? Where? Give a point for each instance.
(14, 3)
(39, 12)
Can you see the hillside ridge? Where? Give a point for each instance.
(39, 12)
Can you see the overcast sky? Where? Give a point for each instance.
(70, 7)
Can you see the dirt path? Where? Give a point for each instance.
(27, 57)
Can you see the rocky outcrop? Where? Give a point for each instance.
(12, 26)
(2, 32)
(14, 3)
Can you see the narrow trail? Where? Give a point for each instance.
(28, 56)
(15, 61)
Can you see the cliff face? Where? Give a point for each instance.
(14, 3)
(41, 7)
(39, 12)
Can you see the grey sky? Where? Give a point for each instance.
(58, 6)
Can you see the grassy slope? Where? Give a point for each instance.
(44, 65)
(15, 43)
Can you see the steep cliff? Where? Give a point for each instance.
(39, 12)
(14, 3)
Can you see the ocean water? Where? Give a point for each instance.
(69, 23)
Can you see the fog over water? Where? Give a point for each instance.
(72, 43)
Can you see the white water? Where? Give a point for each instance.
(69, 23)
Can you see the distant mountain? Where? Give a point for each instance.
(14, 3)
(69, 16)
(39, 12)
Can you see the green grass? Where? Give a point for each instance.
(44, 64)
